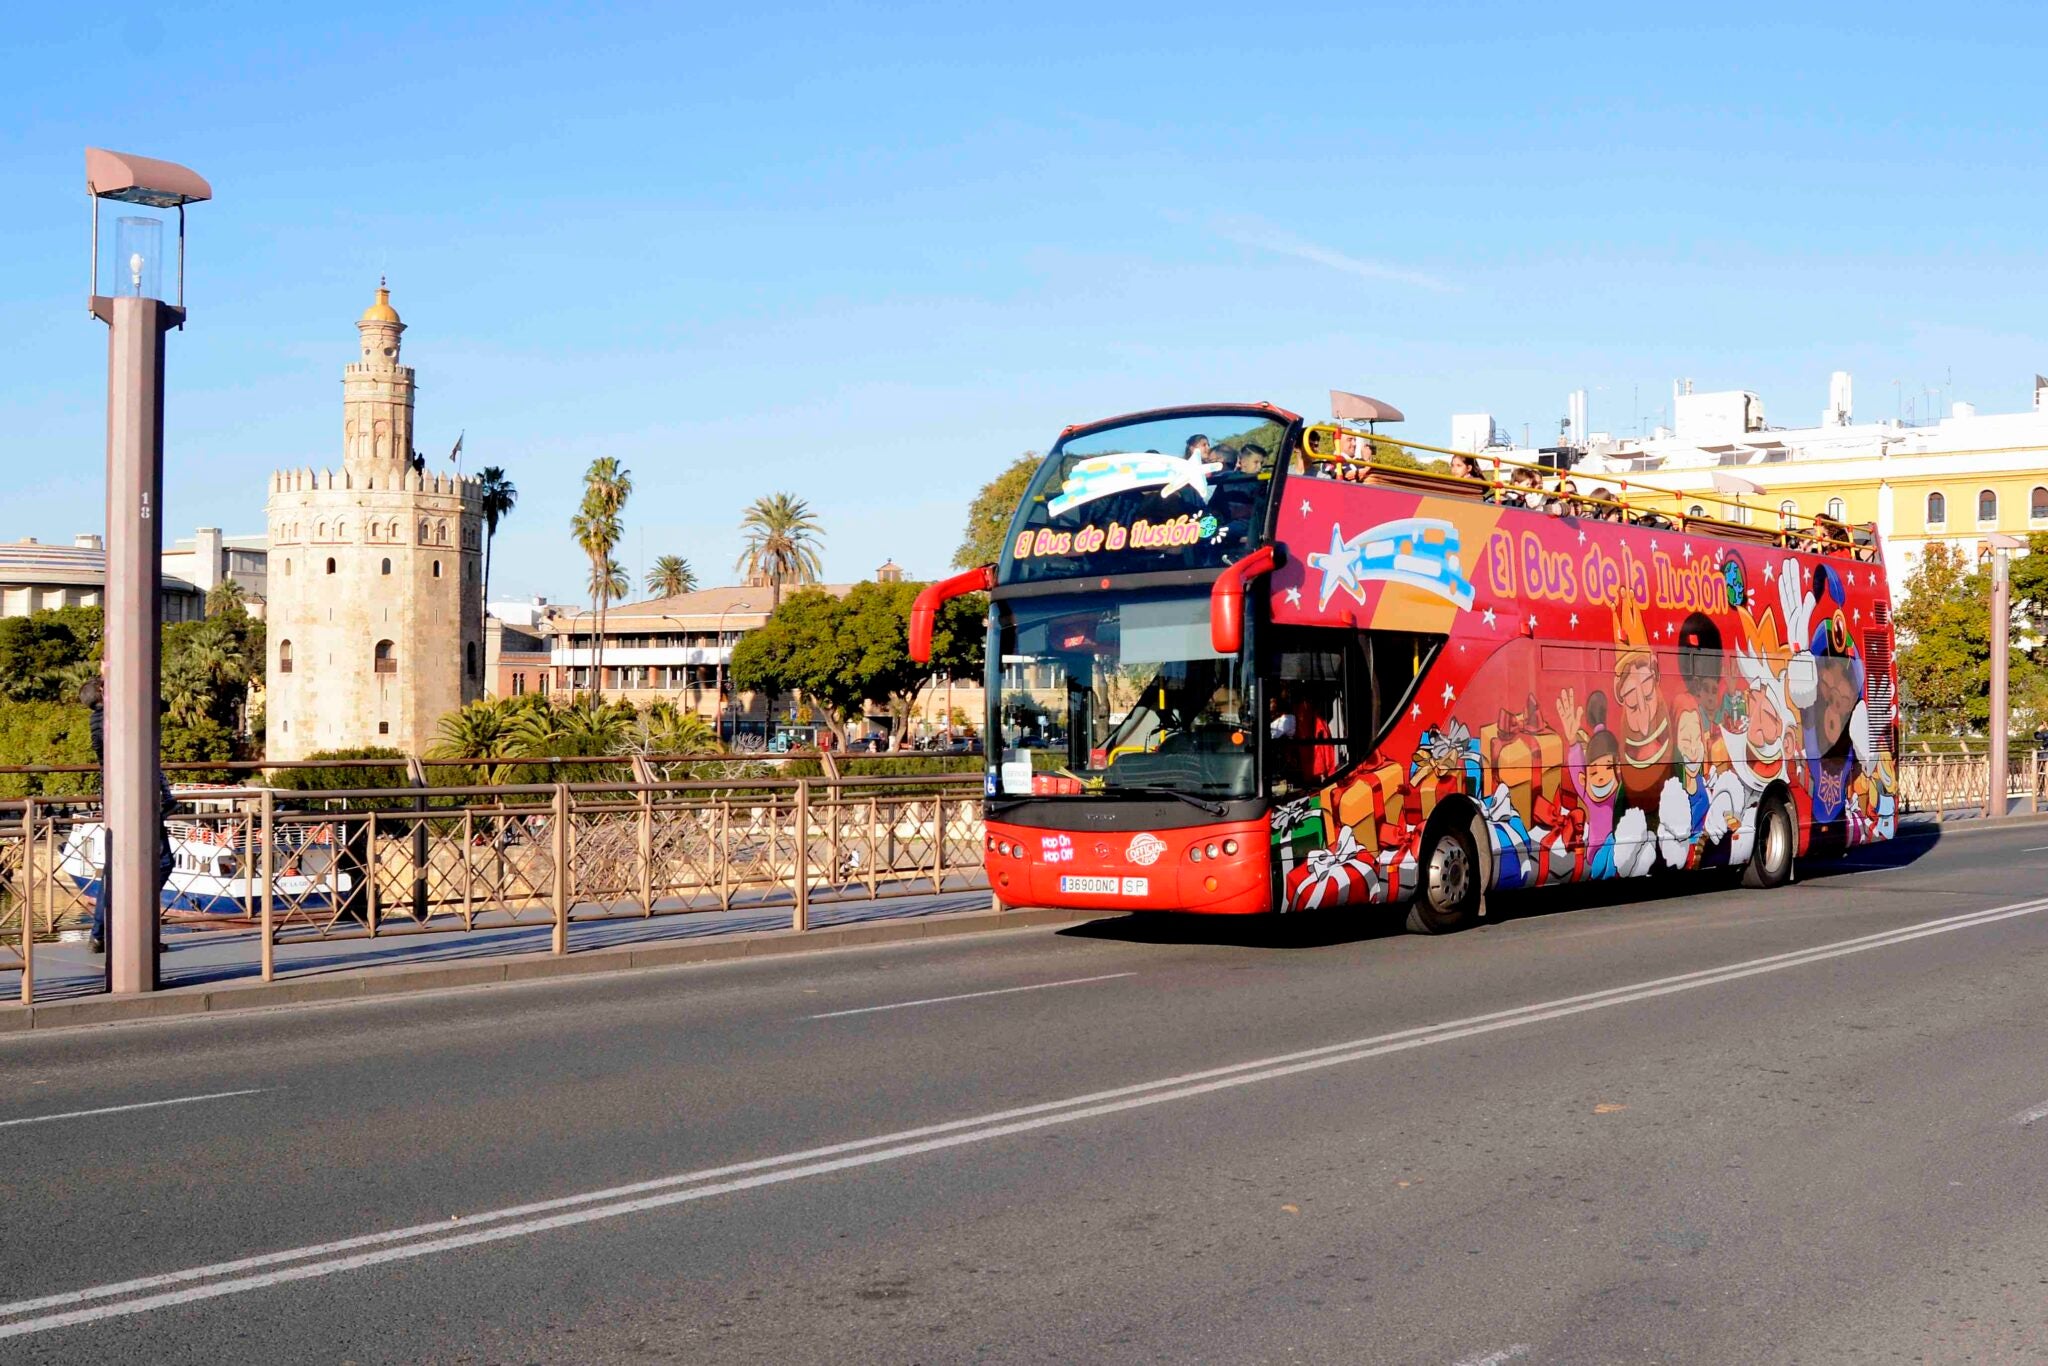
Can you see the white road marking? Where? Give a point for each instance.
(2034, 849)
(2026, 1117)
(971, 995)
(1500, 1358)
(139, 1105)
(659, 1193)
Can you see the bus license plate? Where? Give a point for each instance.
(1089, 886)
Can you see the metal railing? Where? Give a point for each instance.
(377, 862)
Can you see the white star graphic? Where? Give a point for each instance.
(1688, 549)
(1653, 543)
(1582, 538)
(1575, 619)
(1304, 507)
(1294, 597)
(1192, 474)
(1448, 694)
(1532, 621)
(1770, 572)
(1852, 576)
(1415, 710)
(1339, 569)
(1487, 617)
(1856, 615)
(1670, 628)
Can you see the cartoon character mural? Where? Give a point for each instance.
(1747, 675)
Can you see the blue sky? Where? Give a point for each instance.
(870, 254)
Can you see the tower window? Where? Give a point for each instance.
(1937, 509)
(287, 567)
(469, 657)
(387, 658)
(387, 566)
(284, 656)
(330, 564)
(1987, 506)
(437, 569)
(441, 533)
(384, 727)
(423, 531)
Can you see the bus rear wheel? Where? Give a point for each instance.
(1770, 859)
(1447, 882)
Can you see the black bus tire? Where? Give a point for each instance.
(1777, 842)
(1447, 881)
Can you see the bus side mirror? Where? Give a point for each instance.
(1226, 597)
(924, 613)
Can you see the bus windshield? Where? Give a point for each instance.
(1183, 491)
(1100, 694)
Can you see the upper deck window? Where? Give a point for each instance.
(1182, 491)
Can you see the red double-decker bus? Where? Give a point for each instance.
(1236, 665)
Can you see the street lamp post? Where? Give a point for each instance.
(1995, 788)
(718, 651)
(137, 317)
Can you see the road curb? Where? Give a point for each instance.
(403, 979)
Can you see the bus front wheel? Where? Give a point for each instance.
(1447, 882)
(1770, 860)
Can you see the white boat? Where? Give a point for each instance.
(208, 875)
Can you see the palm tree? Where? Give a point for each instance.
(477, 730)
(671, 577)
(499, 498)
(782, 543)
(606, 486)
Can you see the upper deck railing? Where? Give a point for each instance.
(1348, 453)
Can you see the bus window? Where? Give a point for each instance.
(1309, 709)
(1399, 659)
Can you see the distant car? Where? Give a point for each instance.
(868, 744)
(962, 744)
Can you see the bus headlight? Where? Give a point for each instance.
(1230, 846)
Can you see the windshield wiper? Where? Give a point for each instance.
(1155, 790)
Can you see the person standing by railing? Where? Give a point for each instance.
(92, 694)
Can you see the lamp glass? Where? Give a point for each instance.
(138, 265)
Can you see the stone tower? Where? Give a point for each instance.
(375, 616)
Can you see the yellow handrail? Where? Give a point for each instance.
(1325, 441)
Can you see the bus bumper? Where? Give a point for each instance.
(1222, 869)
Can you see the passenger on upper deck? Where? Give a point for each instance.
(1525, 489)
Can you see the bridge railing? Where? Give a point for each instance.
(377, 862)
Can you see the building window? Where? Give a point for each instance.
(284, 656)
(387, 658)
(518, 685)
(387, 566)
(383, 727)
(1937, 509)
(1987, 506)
(330, 564)
(423, 531)
(1836, 508)
(2037, 508)
(1696, 511)
(441, 533)
(469, 658)
(437, 569)
(287, 568)
(1788, 509)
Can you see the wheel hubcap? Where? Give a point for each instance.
(1449, 875)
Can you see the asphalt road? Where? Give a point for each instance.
(1716, 1126)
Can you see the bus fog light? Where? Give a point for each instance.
(1194, 853)
(1209, 883)
(1230, 846)
(1211, 851)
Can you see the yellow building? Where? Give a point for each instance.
(1955, 480)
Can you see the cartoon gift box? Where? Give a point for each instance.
(1299, 827)
(1560, 836)
(1514, 852)
(1400, 860)
(1372, 804)
(1341, 875)
(1527, 758)
(1447, 761)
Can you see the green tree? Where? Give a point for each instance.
(39, 652)
(988, 516)
(499, 497)
(45, 733)
(671, 577)
(847, 653)
(597, 528)
(782, 543)
(225, 598)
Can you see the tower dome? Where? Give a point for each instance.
(380, 311)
